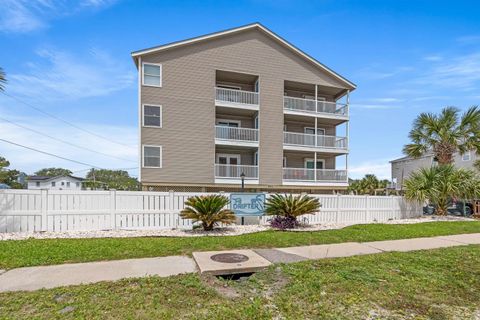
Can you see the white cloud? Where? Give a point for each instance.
(461, 72)
(433, 58)
(21, 16)
(30, 161)
(380, 168)
(62, 76)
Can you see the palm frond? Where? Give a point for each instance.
(210, 210)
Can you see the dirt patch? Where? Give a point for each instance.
(220, 286)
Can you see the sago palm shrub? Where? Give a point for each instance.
(209, 210)
(438, 185)
(287, 208)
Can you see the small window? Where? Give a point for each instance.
(63, 183)
(152, 116)
(466, 156)
(152, 156)
(77, 184)
(37, 183)
(152, 75)
(68, 184)
(53, 183)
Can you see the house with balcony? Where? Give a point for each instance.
(239, 103)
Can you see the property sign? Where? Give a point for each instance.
(247, 204)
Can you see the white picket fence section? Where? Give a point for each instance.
(62, 210)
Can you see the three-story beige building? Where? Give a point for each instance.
(241, 102)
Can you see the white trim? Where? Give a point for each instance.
(235, 180)
(143, 74)
(139, 106)
(143, 156)
(228, 155)
(251, 26)
(143, 114)
(227, 86)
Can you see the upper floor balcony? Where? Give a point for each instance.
(236, 136)
(317, 108)
(294, 140)
(236, 98)
(236, 90)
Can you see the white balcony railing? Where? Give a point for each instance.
(236, 96)
(234, 171)
(317, 141)
(308, 175)
(309, 106)
(236, 134)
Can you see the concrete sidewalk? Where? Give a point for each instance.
(34, 278)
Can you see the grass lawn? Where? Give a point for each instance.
(434, 284)
(55, 251)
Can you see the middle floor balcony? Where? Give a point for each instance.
(235, 136)
(321, 143)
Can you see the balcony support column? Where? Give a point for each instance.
(315, 164)
(316, 102)
(316, 131)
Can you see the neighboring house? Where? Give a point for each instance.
(239, 101)
(403, 167)
(55, 183)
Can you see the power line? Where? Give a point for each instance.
(63, 141)
(64, 121)
(50, 154)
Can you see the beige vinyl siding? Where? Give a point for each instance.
(187, 97)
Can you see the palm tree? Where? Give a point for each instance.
(3, 80)
(445, 134)
(440, 184)
(209, 210)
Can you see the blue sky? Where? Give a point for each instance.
(72, 59)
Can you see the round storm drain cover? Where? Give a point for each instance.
(229, 257)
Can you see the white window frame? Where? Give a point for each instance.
(238, 122)
(143, 156)
(305, 130)
(468, 153)
(143, 115)
(229, 155)
(313, 160)
(143, 74)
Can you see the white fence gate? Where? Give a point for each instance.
(62, 210)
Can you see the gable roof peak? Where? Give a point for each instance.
(255, 25)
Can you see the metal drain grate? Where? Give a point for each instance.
(229, 257)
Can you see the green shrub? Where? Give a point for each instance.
(209, 210)
(290, 207)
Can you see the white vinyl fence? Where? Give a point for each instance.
(62, 210)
